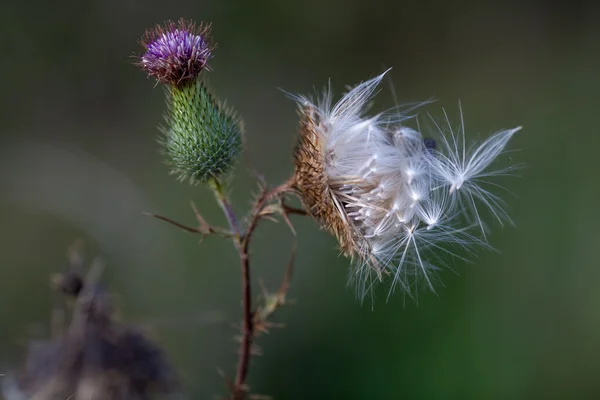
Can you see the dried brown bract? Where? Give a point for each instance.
(316, 192)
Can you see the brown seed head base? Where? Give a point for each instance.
(317, 193)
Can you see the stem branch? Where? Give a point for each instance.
(242, 244)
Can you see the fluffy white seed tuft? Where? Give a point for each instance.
(405, 200)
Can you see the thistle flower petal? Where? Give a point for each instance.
(176, 52)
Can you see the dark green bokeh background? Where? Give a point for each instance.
(78, 159)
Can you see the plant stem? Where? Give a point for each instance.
(227, 210)
(242, 244)
(247, 327)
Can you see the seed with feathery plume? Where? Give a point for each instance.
(393, 199)
(176, 52)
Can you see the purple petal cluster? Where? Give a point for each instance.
(176, 53)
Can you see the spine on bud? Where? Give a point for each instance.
(202, 137)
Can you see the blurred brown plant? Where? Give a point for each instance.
(95, 356)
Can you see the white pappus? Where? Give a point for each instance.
(395, 202)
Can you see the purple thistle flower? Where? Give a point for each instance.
(176, 52)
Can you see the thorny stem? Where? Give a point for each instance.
(204, 228)
(217, 187)
(252, 320)
(242, 244)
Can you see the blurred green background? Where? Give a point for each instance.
(78, 159)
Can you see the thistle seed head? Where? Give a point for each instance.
(176, 52)
(393, 199)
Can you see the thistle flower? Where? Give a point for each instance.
(176, 52)
(202, 137)
(386, 193)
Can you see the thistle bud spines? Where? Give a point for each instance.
(202, 137)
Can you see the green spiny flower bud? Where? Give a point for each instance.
(202, 137)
